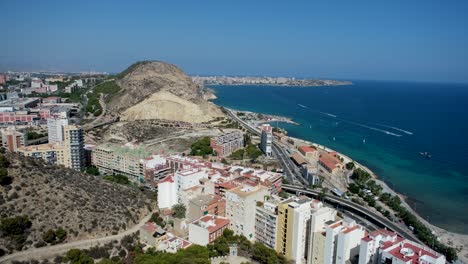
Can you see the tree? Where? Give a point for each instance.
(61, 234)
(323, 193)
(76, 256)
(350, 165)
(178, 211)
(15, 225)
(201, 147)
(238, 154)
(253, 152)
(49, 236)
(92, 170)
(4, 178)
(4, 163)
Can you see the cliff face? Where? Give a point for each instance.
(158, 90)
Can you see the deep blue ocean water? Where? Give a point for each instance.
(397, 120)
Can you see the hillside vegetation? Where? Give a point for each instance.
(42, 204)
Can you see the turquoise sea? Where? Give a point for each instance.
(383, 125)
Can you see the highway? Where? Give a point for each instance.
(357, 209)
(289, 169)
(291, 173)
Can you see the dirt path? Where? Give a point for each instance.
(52, 251)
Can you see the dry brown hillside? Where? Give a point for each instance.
(53, 197)
(159, 90)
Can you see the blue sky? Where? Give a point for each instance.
(389, 40)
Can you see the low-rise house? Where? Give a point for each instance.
(207, 229)
(151, 235)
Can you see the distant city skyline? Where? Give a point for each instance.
(367, 40)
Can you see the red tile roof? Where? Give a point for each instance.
(306, 149)
(329, 161)
(350, 229)
(399, 252)
(298, 159)
(219, 222)
(167, 179)
(150, 227)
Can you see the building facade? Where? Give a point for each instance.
(224, 145)
(241, 204)
(266, 220)
(13, 139)
(266, 140)
(207, 229)
(126, 160)
(55, 129)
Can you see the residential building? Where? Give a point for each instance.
(319, 220)
(13, 139)
(125, 159)
(51, 153)
(74, 147)
(266, 219)
(167, 192)
(384, 246)
(207, 229)
(55, 129)
(292, 228)
(151, 235)
(224, 145)
(241, 204)
(206, 204)
(173, 243)
(342, 241)
(69, 152)
(266, 139)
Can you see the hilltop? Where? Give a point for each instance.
(54, 198)
(159, 90)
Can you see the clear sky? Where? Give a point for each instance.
(349, 39)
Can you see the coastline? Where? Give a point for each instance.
(456, 240)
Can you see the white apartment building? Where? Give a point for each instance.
(241, 208)
(385, 246)
(266, 220)
(55, 129)
(267, 139)
(167, 192)
(342, 241)
(319, 220)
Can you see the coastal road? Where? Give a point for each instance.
(60, 249)
(376, 219)
(289, 168)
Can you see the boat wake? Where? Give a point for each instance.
(303, 106)
(376, 129)
(397, 129)
(380, 130)
(328, 114)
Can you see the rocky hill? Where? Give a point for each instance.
(54, 198)
(158, 90)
